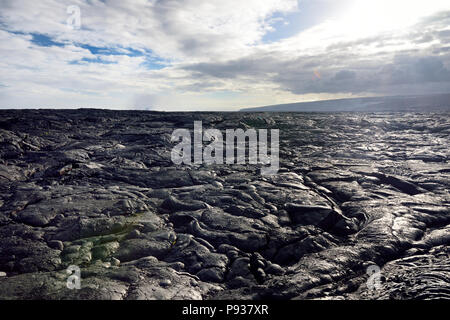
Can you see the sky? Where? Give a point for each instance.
(184, 55)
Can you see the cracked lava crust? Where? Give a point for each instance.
(97, 189)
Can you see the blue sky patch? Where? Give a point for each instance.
(39, 39)
(92, 60)
(154, 63)
(44, 40)
(285, 26)
(108, 51)
(309, 14)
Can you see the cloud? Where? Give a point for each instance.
(388, 63)
(169, 27)
(211, 54)
(345, 75)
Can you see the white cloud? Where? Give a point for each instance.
(213, 52)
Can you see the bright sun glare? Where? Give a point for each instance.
(369, 17)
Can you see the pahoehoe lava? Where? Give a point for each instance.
(97, 189)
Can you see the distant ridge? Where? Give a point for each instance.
(419, 103)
